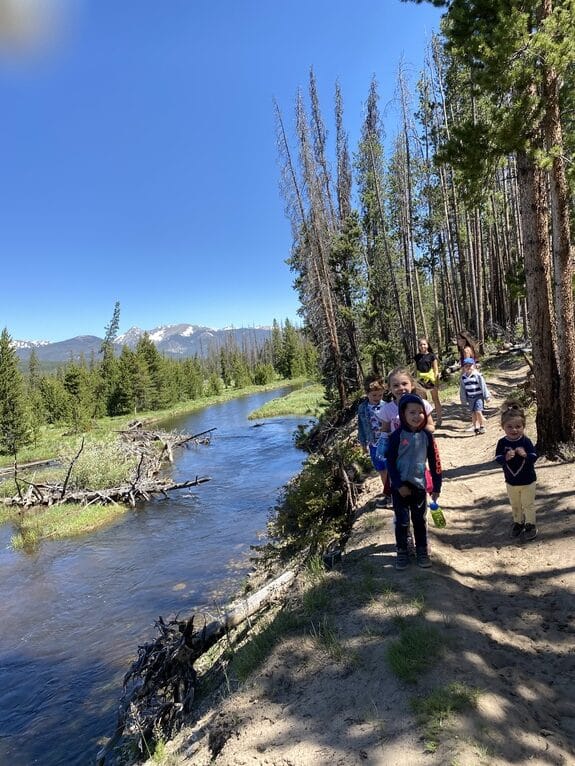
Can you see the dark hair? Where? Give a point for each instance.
(429, 349)
(373, 381)
(512, 409)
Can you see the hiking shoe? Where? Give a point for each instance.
(529, 532)
(517, 529)
(423, 560)
(410, 544)
(402, 560)
(477, 431)
(482, 430)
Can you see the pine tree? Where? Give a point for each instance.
(14, 419)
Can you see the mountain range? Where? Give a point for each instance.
(177, 341)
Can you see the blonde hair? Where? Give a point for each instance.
(415, 387)
(512, 409)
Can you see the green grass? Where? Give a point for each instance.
(50, 439)
(251, 654)
(437, 709)
(60, 521)
(415, 651)
(308, 400)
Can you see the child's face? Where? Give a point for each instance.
(423, 346)
(374, 395)
(467, 368)
(414, 415)
(514, 428)
(400, 385)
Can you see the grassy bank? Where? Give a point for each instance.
(100, 466)
(50, 439)
(309, 400)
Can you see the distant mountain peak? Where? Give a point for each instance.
(177, 341)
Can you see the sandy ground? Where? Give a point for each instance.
(504, 609)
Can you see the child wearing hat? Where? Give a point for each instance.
(410, 447)
(474, 393)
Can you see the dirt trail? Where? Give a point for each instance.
(505, 611)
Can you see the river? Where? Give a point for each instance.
(74, 611)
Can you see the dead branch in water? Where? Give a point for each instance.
(136, 441)
(160, 686)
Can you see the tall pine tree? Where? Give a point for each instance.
(14, 422)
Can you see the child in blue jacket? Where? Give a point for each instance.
(410, 447)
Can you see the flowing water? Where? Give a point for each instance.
(74, 611)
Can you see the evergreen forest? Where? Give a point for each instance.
(462, 218)
(137, 380)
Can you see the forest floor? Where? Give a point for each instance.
(502, 609)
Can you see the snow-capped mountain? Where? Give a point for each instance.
(29, 343)
(177, 340)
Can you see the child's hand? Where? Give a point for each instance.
(510, 454)
(404, 491)
(521, 452)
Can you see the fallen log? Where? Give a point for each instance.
(159, 688)
(52, 494)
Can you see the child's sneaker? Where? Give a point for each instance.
(481, 430)
(477, 431)
(402, 560)
(423, 560)
(516, 529)
(529, 532)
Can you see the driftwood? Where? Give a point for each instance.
(144, 484)
(159, 688)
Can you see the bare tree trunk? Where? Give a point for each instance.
(534, 225)
(562, 250)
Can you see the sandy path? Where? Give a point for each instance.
(505, 612)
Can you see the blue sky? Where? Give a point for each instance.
(138, 159)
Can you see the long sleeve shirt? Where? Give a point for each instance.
(407, 454)
(519, 470)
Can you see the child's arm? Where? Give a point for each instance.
(434, 461)
(430, 425)
(362, 436)
(527, 450)
(391, 457)
(484, 389)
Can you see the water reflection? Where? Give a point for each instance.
(75, 611)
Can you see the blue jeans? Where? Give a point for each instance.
(414, 506)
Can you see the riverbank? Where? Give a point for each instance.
(101, 462)
(50, 439)
(489, 630)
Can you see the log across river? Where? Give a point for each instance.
(75, 611)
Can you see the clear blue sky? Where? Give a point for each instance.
(138, 159)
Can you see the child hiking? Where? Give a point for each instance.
(516, 455)
(474, 393)
(400, 381)
(410, 447)
(427, 370)
(369, 427)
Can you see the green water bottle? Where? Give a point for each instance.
(437, 514)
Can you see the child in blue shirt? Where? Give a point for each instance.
(473, 392)
(516, 454)
(410, 447)
(369, 427)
